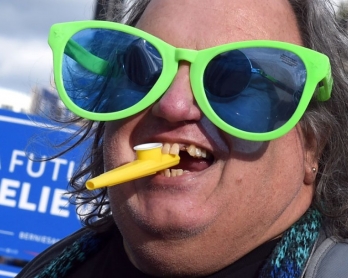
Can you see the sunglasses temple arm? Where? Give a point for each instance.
(325, 87)
(275, 82)
(86, 59)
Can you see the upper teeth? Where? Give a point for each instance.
(196, 152)
(192, 150)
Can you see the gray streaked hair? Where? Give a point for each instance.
(326, 121)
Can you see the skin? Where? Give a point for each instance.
(200, 222)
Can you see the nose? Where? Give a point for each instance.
(178, 104)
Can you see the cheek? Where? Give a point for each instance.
(116, 144)
(265, 177)
(119, 139)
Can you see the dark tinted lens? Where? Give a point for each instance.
(265, 97)
(95, 76)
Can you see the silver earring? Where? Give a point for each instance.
(314, 169)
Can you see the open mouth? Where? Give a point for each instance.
(192, 159)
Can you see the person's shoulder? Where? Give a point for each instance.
(39, 262)
(330, 259)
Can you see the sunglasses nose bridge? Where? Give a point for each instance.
(182, 54)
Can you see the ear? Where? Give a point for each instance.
(311, 158)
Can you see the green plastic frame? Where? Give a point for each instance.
(317, 66)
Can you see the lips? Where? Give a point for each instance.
(192, 159)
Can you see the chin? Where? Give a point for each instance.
(167, 223)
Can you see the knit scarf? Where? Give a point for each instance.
(287, 260)
(290, 256)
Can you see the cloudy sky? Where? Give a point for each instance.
(25, 57)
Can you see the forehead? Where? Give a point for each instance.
(200, 24)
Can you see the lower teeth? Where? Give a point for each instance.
(173, 172)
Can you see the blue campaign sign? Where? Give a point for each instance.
(35, 211)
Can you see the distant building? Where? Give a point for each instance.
(47, 103)
(40, 101)
(15, 101)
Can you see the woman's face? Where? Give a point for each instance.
(223, 207)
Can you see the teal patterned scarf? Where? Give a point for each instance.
(289, 258)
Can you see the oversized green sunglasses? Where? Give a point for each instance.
(254, 90)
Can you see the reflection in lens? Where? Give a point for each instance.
(94, 74)
(267, 95)
(227, 75)
(142, 63)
